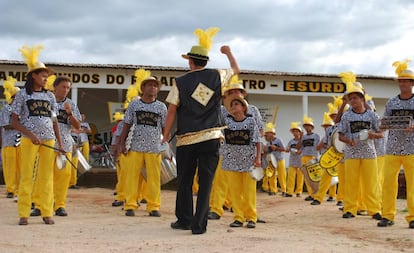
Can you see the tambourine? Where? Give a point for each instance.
(256, 173)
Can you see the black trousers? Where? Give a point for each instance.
(204, 156)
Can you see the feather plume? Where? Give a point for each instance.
(338, 101)
(31, 54)
(400, 66)
(347, 77)
(205, 38)
(140, 75)
(49, 83)
(9, 89)
(235, 79)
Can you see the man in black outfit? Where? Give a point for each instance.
(195, 100)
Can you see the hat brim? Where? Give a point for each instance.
(150, 80)
(50, 71)
(195, 56)
(228, 99)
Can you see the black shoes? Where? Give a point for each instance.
(330, 199)
(48, 221)
(35, 212)
(23, 221)
(315, 202)
(61, 212)
(213, 216)
(129, 212)
(117, 203)
(272, 193)
(251, 224)
(76, 187)
(308, 198)
(178, 225)
(340, 203)
(377, 216)
(287, 195)
(411, 224)
(384, 222)
(348, 215)
(236, 224)
(10, 195)
(155, 213)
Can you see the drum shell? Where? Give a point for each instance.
(312, 172)
(256, 173)
(330, 158)
(271, 160)
(83, 165)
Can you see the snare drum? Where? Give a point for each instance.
(334, 154)
(271, 160)
(312, 172)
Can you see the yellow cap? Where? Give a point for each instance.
(295, 125)
(234, 84)
(327, 121)
(270, 128)
(332, 109)
(308, 121)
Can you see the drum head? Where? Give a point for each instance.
(336, 143)
(271, 158)
(61, 161)
(256, 173)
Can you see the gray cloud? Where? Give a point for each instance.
(299, 36)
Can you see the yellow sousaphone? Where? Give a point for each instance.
(333, 155)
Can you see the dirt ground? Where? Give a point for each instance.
(292, 225)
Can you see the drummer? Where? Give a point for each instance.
(325, 183)
(274, 148)
(360, 155)
(241, 151)
(147, 115)
(308, 148)
(295, 175)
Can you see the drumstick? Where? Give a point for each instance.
(275, 114)
(61, 151)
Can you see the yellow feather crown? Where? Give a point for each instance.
(10, 89)
(295, 125)
(49, 83)
(401, 69)
(327, 120)
(205, 38)
(307, 120)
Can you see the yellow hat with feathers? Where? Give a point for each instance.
(295, 125)
(10, 89)
(401, 69)
(270, 128)
(31, 55)
(332, 109)
(352, 86)
(205, 40)
(134, 90)
(327, 121)
(337, 101)
(49, 83)
(308, 121)
(233, 84)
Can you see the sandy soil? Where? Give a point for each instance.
(293, 225)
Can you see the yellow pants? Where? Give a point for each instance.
(85, 150)
(61, 178)
(135, 161)
(74, 171)
(242, 190)
(121, 177)
(324, 185)
(195, 183)
(340, 167)
(219, 190)
(44, 177)
(295, 176)
(142, 188)
(355, 171)
(11, 157)
(270, 183)
(306, 159)
(390, 186)
(380, 162)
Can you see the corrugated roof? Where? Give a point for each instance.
(162, 68)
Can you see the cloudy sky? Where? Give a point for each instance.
(312, 36)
